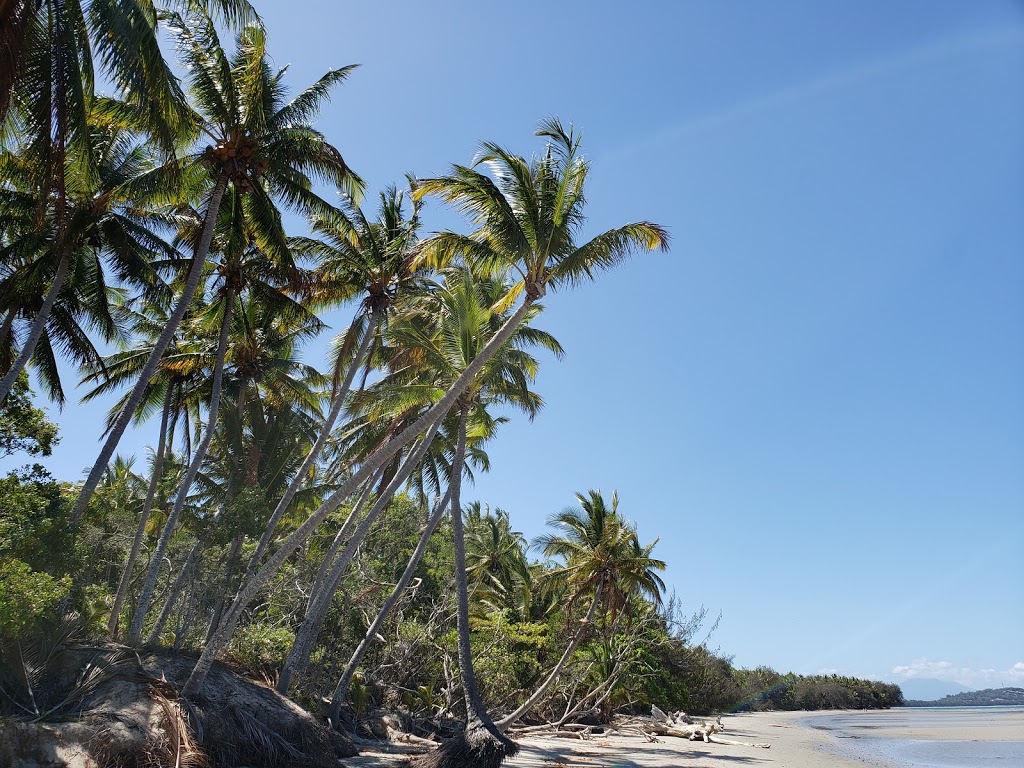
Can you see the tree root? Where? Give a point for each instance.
(478, 746)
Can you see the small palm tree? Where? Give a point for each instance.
(601, 558)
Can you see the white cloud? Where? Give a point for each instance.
(968, 676)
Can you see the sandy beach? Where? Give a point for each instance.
(792, 745)
(795, 741)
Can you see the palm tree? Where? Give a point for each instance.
(496, 563)
(263, 149)
(355, 255)
(244, 273)
(601, 557)
(47, 51)
(174, 389)
(47, 74)
(55, 267)
(538, 240)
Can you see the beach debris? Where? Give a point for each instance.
(682, 726)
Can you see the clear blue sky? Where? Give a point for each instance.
(816, 399)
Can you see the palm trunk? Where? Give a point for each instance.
(300, 478)
(317, 613)
(527, 705)
(323, 575)
(341, 691)
(140, 531)
(475, 709)
(172, 595)
(339, 539)
(258, 581)
(125, 416)
(5, 329)
(38, 325)
(234, 555)
(480, 744)
(135, 633)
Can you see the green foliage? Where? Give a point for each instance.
(24, 427)
(509, 657)
(27, 597)
(33, 519)
(261, 647)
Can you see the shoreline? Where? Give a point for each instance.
(824, 739)
(894, 738)
(794, 744)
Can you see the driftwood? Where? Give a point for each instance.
(683, 726)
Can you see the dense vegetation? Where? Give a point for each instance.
(305, 523)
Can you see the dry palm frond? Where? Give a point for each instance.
(43, 676)
(275, 748)
(179, 748)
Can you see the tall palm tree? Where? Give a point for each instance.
(47, 75)
(48, 51)
(264, 149)
(244, 272)
(538, 239)
(355, 255)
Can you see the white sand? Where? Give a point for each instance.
(792, 746)
(794, 743)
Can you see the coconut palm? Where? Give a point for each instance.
(55, 280)
(263, 149)
(47, 52)
(47, 74)
(538, 239)
(601, 555)
(601, 558)
(354, 256)
(244, 273)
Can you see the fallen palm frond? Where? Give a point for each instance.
(50, 673)
(179, 748)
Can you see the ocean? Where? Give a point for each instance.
(929, 737)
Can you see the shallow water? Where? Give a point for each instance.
(990, 737)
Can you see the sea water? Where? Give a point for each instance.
(908, 736)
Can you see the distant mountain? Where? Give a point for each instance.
(990, 697)
(929, 688)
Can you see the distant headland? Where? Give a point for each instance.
(989, 697)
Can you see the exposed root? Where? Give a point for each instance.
(478, 746)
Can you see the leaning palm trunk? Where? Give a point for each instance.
(234, 557)
(259, 580)
(339, 539)
(527, 705)
(301, 476)
(135, 632)
(175, 592)
(37, 327)
(341, 691)
(323, 575)
(317, 613)
(480, 743)
(147, 507)
(125, 416)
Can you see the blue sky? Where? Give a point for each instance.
(816, 400)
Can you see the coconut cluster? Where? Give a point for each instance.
(240, 159)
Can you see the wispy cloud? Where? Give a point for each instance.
(880, 66)
(968, 676)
